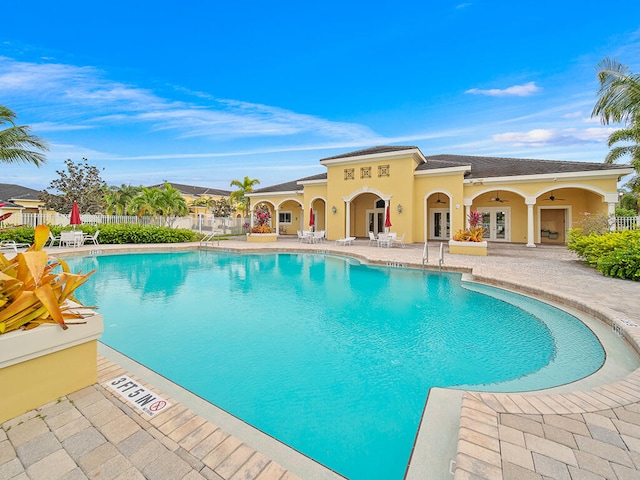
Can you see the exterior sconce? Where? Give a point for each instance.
(399, 208)
(334, 209)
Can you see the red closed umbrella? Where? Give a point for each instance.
(312, 221)
(387, 218)
(75, 215)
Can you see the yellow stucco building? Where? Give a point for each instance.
(430, 197)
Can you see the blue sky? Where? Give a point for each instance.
(203, 92)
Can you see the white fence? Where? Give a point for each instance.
(627, 223)
(201, 223)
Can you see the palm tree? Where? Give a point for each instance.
(171, 202)
(17, 144)
(239, 197)
(119, 199)
(619, 101)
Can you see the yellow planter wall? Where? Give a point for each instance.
(32, 383)
(468, 248)
(262, 237)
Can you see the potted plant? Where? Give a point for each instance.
(38, 365)
(469, 241)
(261, 230)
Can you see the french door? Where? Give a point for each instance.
(375, 220)
(497, 224)
(440, 224)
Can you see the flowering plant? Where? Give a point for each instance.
(474, 232)
(262, 219)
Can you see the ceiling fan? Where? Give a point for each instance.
(552, 198)
(497, 198)
(440, 201)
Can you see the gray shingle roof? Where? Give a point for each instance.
(9, 191)
(195, 191)
(290, 186)
(370, 151)
(484, 167)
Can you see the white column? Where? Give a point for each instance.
(530, 230)
(611, 212)
(347, 230)
(467, 212)
(277, 221)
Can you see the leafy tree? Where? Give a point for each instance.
(119, 199)
(619, 102)
(629, 201)
(221, 208)
(81, 183)
(239, 197)
(17, 145)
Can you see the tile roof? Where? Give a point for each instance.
(193, 190)
(371, 151)
(9, 191)
(484, 167)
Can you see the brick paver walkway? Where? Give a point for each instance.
(92, 434)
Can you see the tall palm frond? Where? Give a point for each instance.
(17, 144)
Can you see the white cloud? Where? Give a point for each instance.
(544, 137)
(462, 5)
(84, 96)
(516, 91)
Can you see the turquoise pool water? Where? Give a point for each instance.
(329, 356)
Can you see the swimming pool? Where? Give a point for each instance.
(331, 357)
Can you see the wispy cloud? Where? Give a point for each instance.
(85, 96)
(543, 137)
(525, 90)
(460, 6)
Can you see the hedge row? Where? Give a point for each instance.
(112, 234)
(615, 254)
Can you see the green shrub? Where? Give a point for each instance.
(131, 233)
(21, 234)
(615, 254)
(625, 212)
(111, 233)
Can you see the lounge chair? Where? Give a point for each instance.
(346, 241)
(398, 241)
(12, 245)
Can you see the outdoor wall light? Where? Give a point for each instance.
(334, 209)
(399, 208)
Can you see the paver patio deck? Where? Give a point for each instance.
(588, 434)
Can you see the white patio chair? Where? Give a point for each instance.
(69, 238)
(92, 238)
(384, 240)
(53, 240)
(300, 236)
(317, 237)
(398, 241)
(372, 238)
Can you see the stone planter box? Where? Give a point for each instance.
(262, 237)
(46, 363)
(468, 248)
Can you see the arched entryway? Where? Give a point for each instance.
(438, 216)
(319, 207)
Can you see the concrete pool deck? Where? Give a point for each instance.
(591, 432)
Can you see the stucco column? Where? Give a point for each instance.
(530, 230)
(611, 212)
(277, 221)
(467, 212)
(347, 229)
